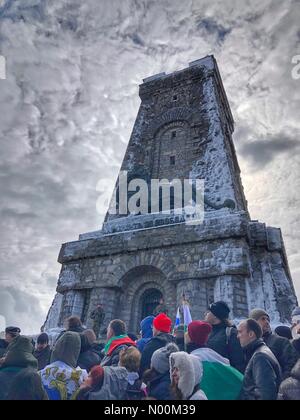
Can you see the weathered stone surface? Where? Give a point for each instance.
(134, 260)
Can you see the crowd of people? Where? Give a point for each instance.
(208, 359)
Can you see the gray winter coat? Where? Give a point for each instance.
(114, 385)
(290, 388)
(262, 375)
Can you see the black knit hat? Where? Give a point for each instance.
(43, 338)
(220, 310)
(284, 331)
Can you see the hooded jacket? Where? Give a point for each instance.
(62, 378)
(147, 332)
(114, 385)
(19, 357)
(190, 375)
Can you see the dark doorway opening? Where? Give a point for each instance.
(149, 301)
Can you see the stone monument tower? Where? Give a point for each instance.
(183, 130)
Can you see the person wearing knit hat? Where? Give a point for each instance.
(160, 358)
(161, 337)
(220, 310)
(162, 323)
(42, 352)
(198, 333)
(223, 338)
(284, 331)
(282, 348)
(158, 377)
(258, 313)
(220, 381)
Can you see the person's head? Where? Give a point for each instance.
(42, 341)
(284, 331)
(130, 358)
(179, 332)
(198, 333)
(262, 317)
(67, 349)
(27, 386)
(160, 358)
(146, 327)
(90, 336)
(217, 313)
(11, 333)
(186, 373)
(73, 323)
(95, 378)
(115, 328)
(161, 323)
(249, 330)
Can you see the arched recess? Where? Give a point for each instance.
(171, 150)
(134, 285)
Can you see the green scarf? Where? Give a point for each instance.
(107, 346)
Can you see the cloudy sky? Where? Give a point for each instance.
(70, 99)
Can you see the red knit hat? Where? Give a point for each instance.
(199, 332)
(162, 323)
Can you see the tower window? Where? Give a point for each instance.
(172, 160)
(173, 134)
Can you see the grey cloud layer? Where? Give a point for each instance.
(70, 99)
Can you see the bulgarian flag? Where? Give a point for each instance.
(187, 317)
(220, 381)
(177, 319)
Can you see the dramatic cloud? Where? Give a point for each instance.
(262, 152)
(70, 99)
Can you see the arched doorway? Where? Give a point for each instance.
(149, 301)
(142, 288)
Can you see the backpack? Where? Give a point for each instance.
(135, 391)
(228, 336)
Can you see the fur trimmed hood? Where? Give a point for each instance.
(190, 371)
